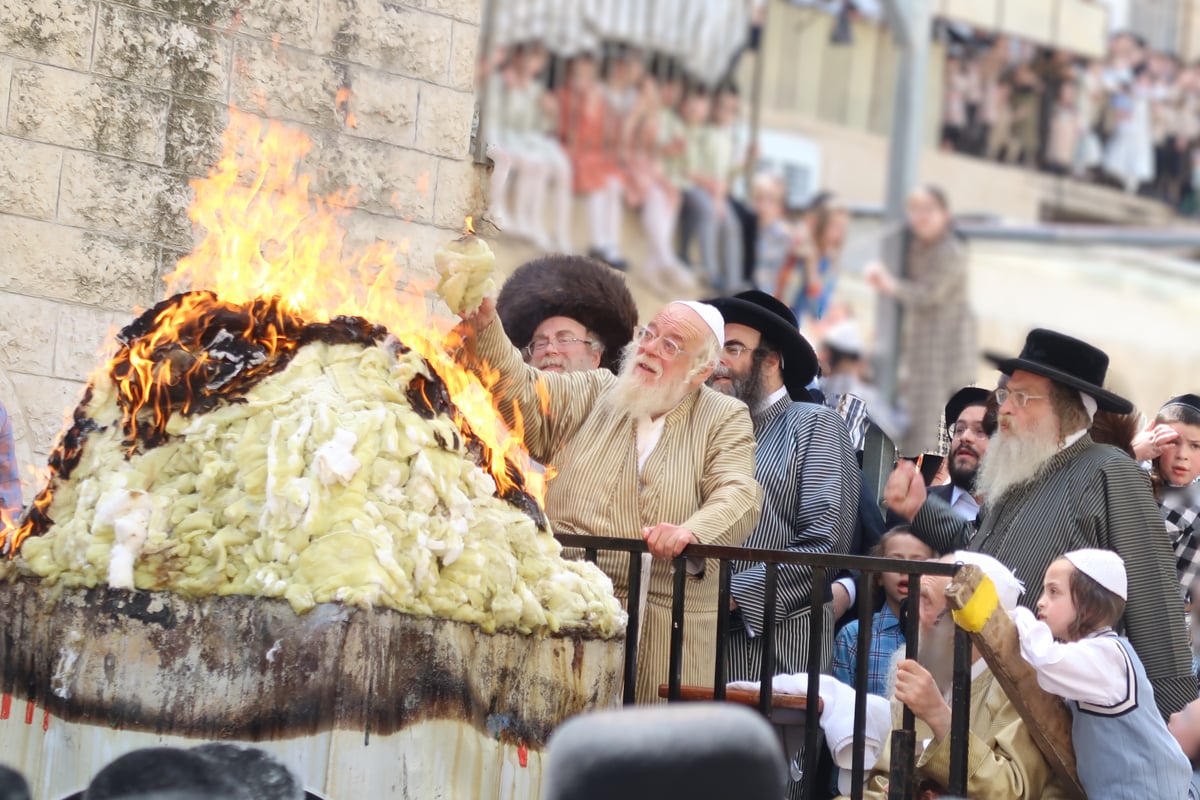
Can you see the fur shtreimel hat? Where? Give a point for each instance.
(583, 289)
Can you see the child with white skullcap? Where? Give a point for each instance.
(1122, 746)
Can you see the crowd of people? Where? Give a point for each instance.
(1131, 120)
(619, 129)
(713, 424)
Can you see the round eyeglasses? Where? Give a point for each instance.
(561, 342)
(668, 348)
(1020, 399)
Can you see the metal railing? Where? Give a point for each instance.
(903, 741)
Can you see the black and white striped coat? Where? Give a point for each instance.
(810, 481)
(1088, 495)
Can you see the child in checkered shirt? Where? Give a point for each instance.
(1172, 443)
(886, 634)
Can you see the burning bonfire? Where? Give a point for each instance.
(288, 425)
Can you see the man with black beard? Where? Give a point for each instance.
(1004, 762)
(970, 431)
(807, 469)
(1048, 488)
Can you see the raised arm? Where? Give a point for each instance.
(948, 270)
(1094, 671)
(933, 521)
(548, 408)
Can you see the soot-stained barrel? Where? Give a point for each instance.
(360, 703)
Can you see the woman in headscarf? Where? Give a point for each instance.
(938, 348)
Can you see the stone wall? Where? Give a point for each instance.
(109, 107)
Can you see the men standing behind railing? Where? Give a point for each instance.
(649, 453)
(1003, 762)
(1048, 489)
(808, 472)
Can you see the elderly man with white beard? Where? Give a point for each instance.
(807, 469)
(650, 453)
(1049, 489)
(1003, 761)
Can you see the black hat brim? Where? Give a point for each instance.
(1105, 400)
(799, 358)
(965, 398)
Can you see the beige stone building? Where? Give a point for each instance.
(108, 108)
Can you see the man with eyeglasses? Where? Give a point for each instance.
(808, 471)
(1048, 489)
(567, 313)
(971, 429)
(650, 453)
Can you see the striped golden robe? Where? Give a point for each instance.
(700, 476)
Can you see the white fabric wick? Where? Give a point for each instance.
(710, 315)
(1009, 587)
(1089, 404)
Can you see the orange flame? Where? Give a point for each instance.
(279, 254)
(342, 103)
(265, 235)
(469, 226)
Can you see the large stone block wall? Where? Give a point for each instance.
(109, 107)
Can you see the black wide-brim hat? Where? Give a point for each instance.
(778, 326)
(583, 289)
(962, 399)
(1069, 361)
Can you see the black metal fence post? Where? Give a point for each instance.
(866, 582)
(766, 672)
(634, 607)
(812, 716)
(675, 664)
(960, 712)
(720, 671)
(902, 768)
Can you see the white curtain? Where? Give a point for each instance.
(703, 35)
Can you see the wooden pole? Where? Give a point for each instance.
(994, 634)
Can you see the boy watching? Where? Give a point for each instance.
(886, 634)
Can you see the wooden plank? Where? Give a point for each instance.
(1045, 714)
(746, 697)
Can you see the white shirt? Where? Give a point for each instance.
(1072, 439)
(649, 432)
(964, 504)
(1093, 670)
(770, 400)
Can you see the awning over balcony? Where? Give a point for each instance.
(703, 35)
(1078, 26)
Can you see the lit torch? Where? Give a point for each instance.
(465, 266)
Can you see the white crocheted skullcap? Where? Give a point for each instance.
(712, 318)
(1103, 566)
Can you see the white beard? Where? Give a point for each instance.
(935, 652)
(642, 395)
(1015, 457)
